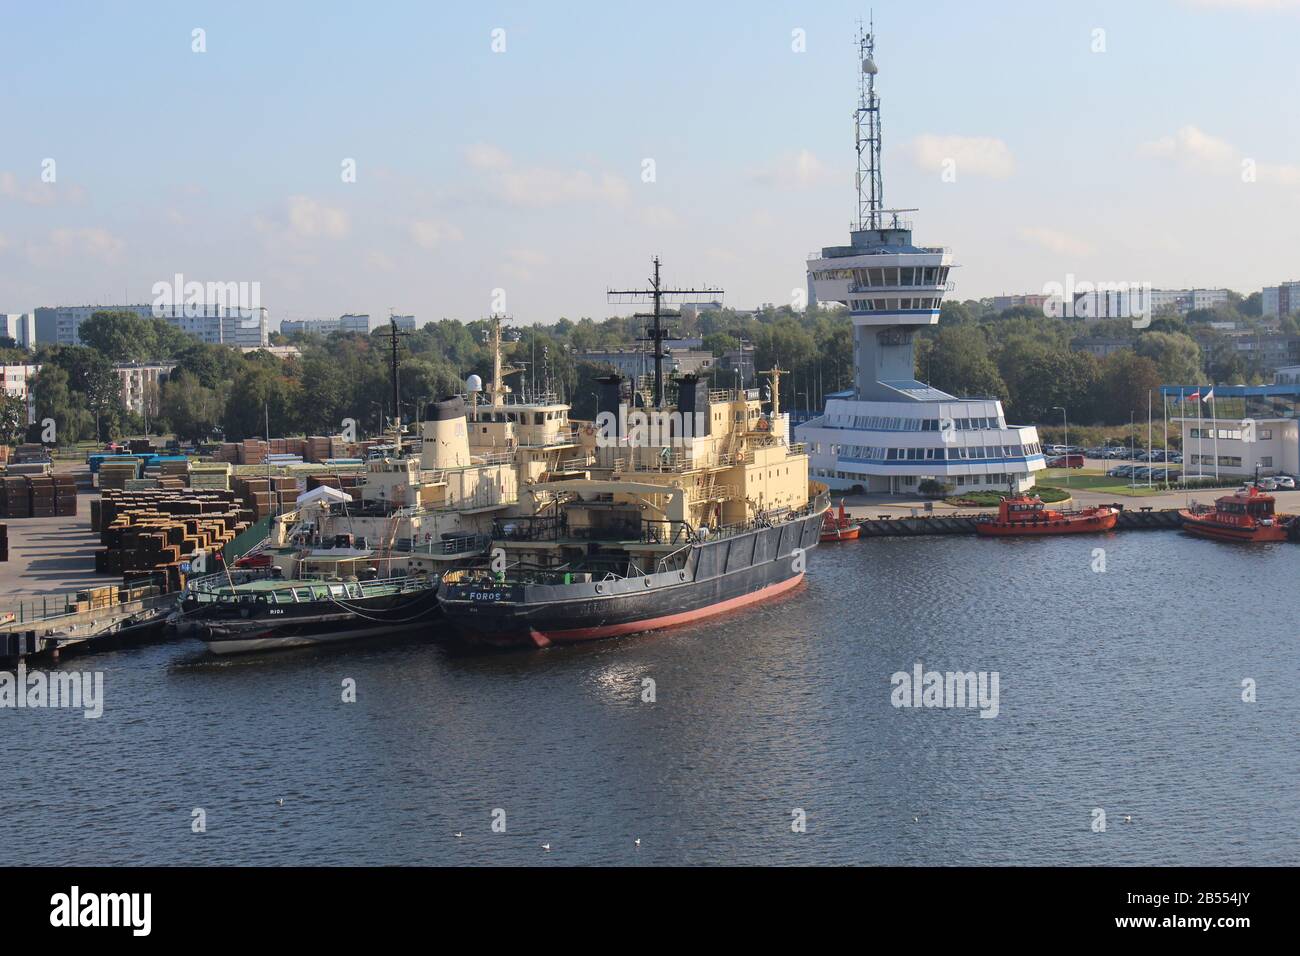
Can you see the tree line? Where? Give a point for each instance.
(1031, 362)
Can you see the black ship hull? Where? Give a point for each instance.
(719, 576)
(240, 627)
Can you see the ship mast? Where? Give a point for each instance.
(498, 389)
(394, 338)
(775, 373)
(656, 333)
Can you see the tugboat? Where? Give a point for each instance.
(272, 613)
(838, 526)
(689, 509)
(1246, 515)
(1026, 515)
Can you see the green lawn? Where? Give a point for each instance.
(1093, 479)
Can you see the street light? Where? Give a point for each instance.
(1065, 421)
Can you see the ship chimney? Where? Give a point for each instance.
(609, 398)
(693, 401)
(446, 441)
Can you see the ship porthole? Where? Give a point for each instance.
(599, 589)
(681, 575)
(647, 582)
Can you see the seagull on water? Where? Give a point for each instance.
(458, 834)
(638, 841)
(546, 847)
(280, 802)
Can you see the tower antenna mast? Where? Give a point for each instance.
(871, 190)
(656, 333)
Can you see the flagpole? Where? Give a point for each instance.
(1164, 407)
(1149, 437)
(1200, 435)
(1214, 417)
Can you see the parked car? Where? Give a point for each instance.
(1266, 484)
(1120, 471)
(1285, 482)
(1066, 461)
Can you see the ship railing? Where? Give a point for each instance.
(210, 583)
(497, 457)
(572, 464)
(457, 544)
(300, 593)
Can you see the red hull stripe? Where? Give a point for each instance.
(669, 620)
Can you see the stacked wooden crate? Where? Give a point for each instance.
(115, 474)
(256, 494)
(210, 475)
(153, 532)
(15, 498)
(252, 451)
(65, 495)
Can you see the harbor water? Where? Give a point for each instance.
(772, 736)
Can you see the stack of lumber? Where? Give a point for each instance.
(158, 531)
(210, 475)
(15, 499)
(38, 496)
(115, 474)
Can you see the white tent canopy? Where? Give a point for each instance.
(324, 494)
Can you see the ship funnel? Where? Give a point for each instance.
(446, 440)
(609, 397)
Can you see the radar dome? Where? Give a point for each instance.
(869, 66)
(473, 384)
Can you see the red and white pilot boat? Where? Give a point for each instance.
(1247, 515)
(1025, 515)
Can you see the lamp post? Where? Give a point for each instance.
(1066, 422)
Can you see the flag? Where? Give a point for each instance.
(1192, 397)
(1208, 395)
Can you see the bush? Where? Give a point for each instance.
(934, 489)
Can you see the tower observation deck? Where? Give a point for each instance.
(895, 431)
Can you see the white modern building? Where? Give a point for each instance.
(1282, 299)
(142, 384)
(344, 323)
(18, 382)
(1238, 430)
(21, 327)
(215, 325)
(896, 432)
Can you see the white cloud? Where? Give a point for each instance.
(486, 156)
(796, 170)
(301, 219)
(427, 233)
(1190, 144)
(540, 186)
(33, 192)
(1055, 241)
(379, 262)
(523, 263)
(312, 219)
(657, 217)
(83, 242)
(1196, 149)
(973, 155)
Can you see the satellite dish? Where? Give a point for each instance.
(869, 66)
(473, 384)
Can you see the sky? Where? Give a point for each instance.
(526, 157)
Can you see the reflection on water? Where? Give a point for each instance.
(1118, 690)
